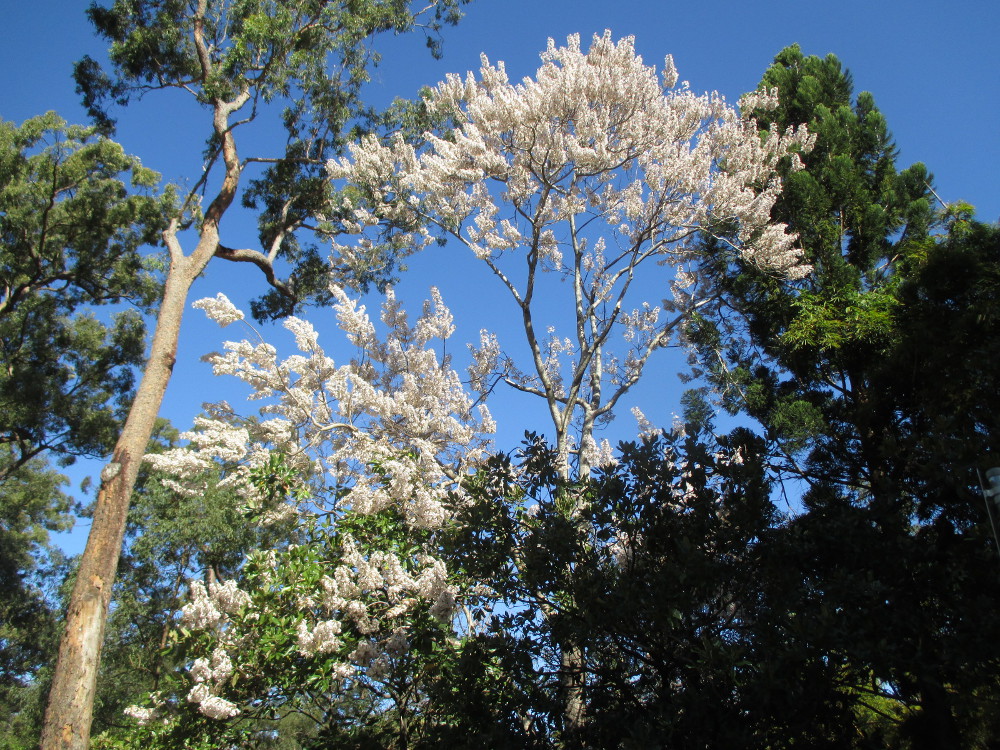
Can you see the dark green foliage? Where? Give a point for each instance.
(32, 504)
(685, 587)
(74, 214)
(872, 379)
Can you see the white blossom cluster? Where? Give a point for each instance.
(396, 405)
(587, 170)
(594, 133)
(220, 309)
(208, 606)
(371, 592)
(142, 714)
(209, 675)
(393, 429)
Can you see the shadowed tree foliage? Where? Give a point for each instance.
(680, 587)
(871, 383)
(32, 504)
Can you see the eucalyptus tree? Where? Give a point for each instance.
(238, 61)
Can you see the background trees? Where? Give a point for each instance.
(672, 574)
(33, 503)
(842, 373)
(75, 213)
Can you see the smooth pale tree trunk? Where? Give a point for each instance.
(71, 697)
(572, 657)
(69, 712)
(573, 680)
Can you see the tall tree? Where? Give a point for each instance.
(797, 352)
(842, 372)
(237, 60)
(75, 211)
(594, 173)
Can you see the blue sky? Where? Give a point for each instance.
(933, 69)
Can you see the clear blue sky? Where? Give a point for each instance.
(932, 67)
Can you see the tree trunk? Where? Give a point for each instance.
(573, 678)
(71, 698)
(69, 711)
(572, 658)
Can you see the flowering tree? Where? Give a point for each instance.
(371, 454)
(591, 172)
(242, 63)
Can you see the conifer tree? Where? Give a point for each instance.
(841, 373)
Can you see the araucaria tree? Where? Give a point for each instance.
(867, 379)
(596, 172)
(238, 60)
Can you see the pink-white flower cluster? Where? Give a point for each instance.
(209, 676)
(393, 429)
(220, 309)
(593, 130)
(588, 170)
(208, 606)
(396, 405)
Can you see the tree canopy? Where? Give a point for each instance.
(75, 213)
(238, 60)
(356, 565)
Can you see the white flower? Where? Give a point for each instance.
(140, 714)
(201, 613)
(322, 639)
(220, 309)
